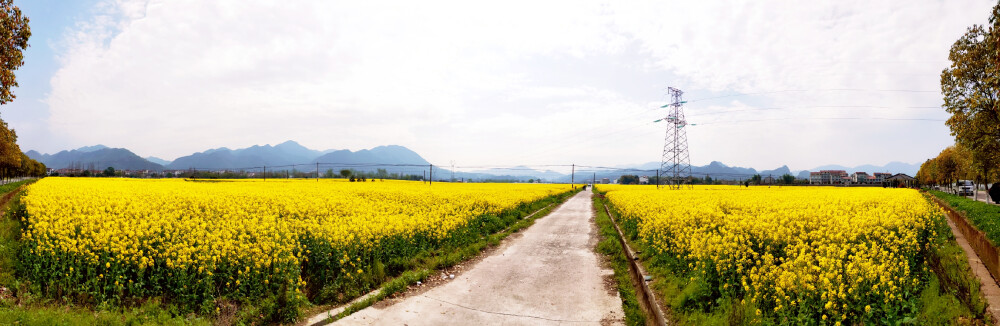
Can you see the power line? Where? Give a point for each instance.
(815, 90)
(818, 107)
(784, 119)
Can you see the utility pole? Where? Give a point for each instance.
(265, 173)
(572, 177)
(452, 170)
(594, 180)
(657, 178)
(431, 180)
(676, 161)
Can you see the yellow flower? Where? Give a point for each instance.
(787, 244)
(250, 229)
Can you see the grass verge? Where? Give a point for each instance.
(424, 264)
(610, 246)
(985, 217)
(10, 232)
(953, 292)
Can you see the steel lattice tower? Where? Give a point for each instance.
(676, 161)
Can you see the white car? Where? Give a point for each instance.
(964, 188)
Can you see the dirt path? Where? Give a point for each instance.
(549, 275)
(989, 286)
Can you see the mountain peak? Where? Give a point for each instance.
(292, 145)
(91, 148)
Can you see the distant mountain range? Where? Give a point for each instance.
(290, 152)
(286, 153)
(98, 156)
(276, 156)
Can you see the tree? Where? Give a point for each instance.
(10, 153)
(947, 166)
(927, 172)
(787, 179)
(109, 172)
(756, 178)
(14, 31)
(628, 180)
(971, 89)
(345, 173)
(708, 179)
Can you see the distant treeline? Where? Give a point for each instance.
(756, 179)
(13, 162)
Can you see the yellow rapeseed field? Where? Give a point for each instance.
(197, 241)
(798, 254)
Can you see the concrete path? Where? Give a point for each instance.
(547, 275)
(982, 196)
(989, 286)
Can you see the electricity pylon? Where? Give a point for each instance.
(676, 161)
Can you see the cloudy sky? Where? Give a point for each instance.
(802, 83)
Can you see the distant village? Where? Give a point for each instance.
(840, 177)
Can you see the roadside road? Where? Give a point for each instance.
(549, 274)
(982, 196)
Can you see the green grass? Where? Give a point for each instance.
(610, 246)
(10, 233)
(951, 293)
(985, 217)
(150, 313)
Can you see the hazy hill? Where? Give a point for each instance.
(518, 172)
(392, 154)
(783, 170)
(157, 160)
(100, 156)
(717, 170)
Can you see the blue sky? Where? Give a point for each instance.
(512, 83)
(50, 21)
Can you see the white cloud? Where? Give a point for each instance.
(505, 82)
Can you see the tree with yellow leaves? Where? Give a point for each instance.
(971, 89)
(14, 32)
(10, 153)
